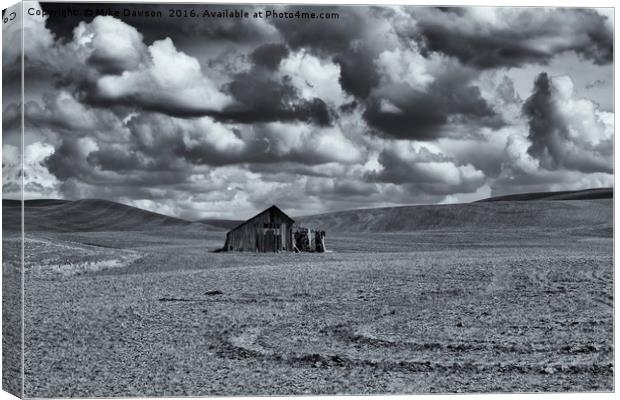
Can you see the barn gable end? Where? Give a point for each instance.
(268, 231)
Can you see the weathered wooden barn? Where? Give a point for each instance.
(269, 231)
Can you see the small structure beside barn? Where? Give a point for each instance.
(272, 231)
(308, 240)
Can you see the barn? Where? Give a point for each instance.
(269, 231)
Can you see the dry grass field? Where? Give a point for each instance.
(423, 307)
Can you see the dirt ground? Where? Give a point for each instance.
(155, 313)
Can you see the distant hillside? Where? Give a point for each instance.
(82, 216)
(591, 214)
(585, 209)
(227, 224)
(589, 194)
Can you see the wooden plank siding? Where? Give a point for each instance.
(269, 231)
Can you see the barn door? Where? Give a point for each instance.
(269, 241)
(272, 240)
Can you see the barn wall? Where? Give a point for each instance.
(286, 233)
(249, 236)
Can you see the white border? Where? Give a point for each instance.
(518, 3)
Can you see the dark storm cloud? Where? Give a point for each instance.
(422, 115)
(11, 79)
(324, 35)
(262, 99)
(253, 110)
(262, 96)
(11, 118)
(118, 158)
(140, 102)
(358, 75)
(519, 36)
(67, 161)
(269, 55)
(543, 122)
(553, 139)
(348, 107)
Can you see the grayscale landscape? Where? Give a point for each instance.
(299, 199)
(492, 296)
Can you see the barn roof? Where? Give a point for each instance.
(274, 208)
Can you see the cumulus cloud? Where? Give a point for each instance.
(157, 141)
(162, 151)
(38, 181)
(408, 66)
(61, 111)
(34, 180)
(307, 144)
(11, 172)
(38, 41)
(422, 169)
(108, 63)
(340, 187)
(387, 106)
(565, 131)
(110, 45)
(315, 78)
(406, 91)
(170, 81)
(560, 145)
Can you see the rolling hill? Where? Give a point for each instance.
(561, 214)
(83, 216)
(588, 194)
(586, 209)
(222, 223)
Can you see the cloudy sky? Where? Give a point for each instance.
(384, 106)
